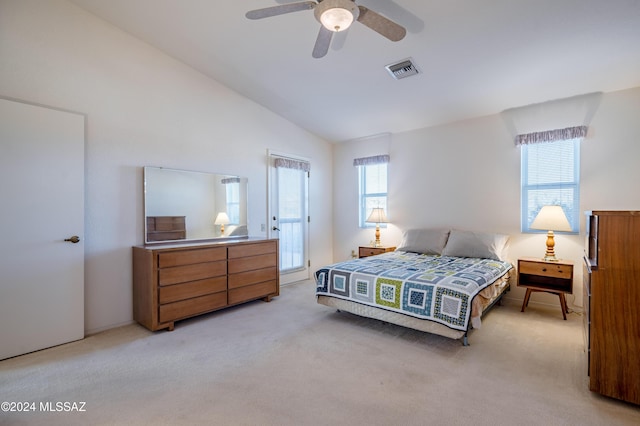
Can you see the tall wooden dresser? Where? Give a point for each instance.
(177, 281)
(612, 303)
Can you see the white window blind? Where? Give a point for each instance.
(551, 176)
(372, 193)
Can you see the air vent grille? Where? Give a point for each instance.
(403, 69)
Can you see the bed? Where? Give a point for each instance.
(439, 281)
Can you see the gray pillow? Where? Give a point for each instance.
(426, 241)
(476, 244)
(239, 231)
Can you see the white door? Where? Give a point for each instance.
(42, 193)
(288, 216)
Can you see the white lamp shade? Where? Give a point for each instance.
(551, 218)
(221, 219)
(377, 216)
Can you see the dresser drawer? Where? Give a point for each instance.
(252, 263)
(252, 277)
(245, 250)
(186, 273)
(165, 235)
(546, 269)
(250, 292)
(190, 257)
(176, 292)
(186, 308)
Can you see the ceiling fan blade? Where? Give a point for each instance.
(381, 25)
(280, 10)
(322, 42)
(339, 39)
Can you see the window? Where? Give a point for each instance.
(551, 176)
(233, 202)
(373, 190)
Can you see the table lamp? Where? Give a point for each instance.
(222, 219)
(377, 216)
(551, 218)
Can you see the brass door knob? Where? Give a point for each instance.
(74, 239)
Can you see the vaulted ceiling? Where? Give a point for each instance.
(474, 57)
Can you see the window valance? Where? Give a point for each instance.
(552, 135)
(230, 180)
(366, 161)
(290, 163)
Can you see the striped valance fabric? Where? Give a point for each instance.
(367, 161)
(552, 135)
(290, 163)
(230, 180)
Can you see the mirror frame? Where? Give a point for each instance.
(185, 189)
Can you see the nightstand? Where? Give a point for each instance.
(366, 251)
(550, 277)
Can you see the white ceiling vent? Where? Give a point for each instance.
(403, 69)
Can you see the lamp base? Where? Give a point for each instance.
(550, 254)
(377, 243)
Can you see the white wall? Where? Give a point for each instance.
(467, 175)
(143, 108)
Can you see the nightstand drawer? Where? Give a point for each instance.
(373, 251)
(369, 251)
(546, 269)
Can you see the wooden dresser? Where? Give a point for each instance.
(177, 281)
(612, 303)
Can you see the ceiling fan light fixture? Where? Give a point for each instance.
(336, 15)
(336, 19)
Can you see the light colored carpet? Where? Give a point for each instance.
(294, 362)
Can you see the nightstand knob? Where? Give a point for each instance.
(544, 269)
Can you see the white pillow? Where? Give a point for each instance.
(476, 244)
(426, 241)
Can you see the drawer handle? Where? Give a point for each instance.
(544, 269)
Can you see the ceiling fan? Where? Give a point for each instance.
(335, 16)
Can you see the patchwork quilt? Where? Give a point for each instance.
(435, 288)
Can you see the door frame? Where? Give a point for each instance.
(304, 273)
(53, 247)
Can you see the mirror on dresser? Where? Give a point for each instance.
(182, 205)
